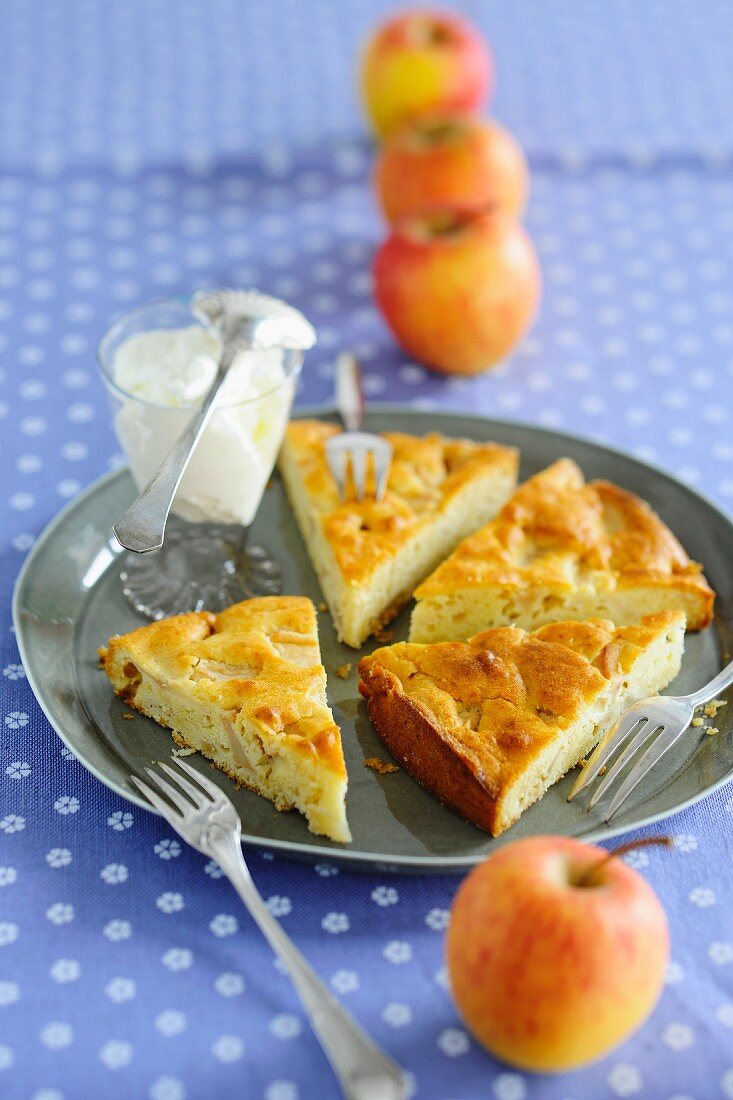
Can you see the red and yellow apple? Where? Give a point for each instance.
(451, 160)
(423, 61)
(555, 957)
(458, 288)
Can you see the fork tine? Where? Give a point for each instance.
(382, 462)
(640, 738)
(160, 804)
(194, 793)
(337, 462)
(358, 471)
(179, 801)
(652, 756)
(209, 786)
(603, 752)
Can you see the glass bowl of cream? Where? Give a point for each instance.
(157, 362)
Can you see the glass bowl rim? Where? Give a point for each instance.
(292, 357)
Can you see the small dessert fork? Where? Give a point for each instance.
(207, 820)
(667, 717)
(352, 447)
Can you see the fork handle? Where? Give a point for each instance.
(349, 394)
(363, 1070)
(711, 689)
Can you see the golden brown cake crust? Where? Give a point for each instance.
(467, 718)
(259, 657)
(557, 531)
(426, 473)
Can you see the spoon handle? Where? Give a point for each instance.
(142, 527)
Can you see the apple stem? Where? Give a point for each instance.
(472, 212)
(629, 846)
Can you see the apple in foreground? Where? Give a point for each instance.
(458, 288)
(423, 61)
(554, 958)
(451, 160)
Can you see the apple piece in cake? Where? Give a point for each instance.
(561, 548)
(369, 555)
(247, 689)
(489, 724)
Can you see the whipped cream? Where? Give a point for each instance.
(163, 374)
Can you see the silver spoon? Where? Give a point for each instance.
(241, 320)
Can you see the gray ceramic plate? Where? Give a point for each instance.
(68, 602)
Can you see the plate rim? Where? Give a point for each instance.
(359, 860)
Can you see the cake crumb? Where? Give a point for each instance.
(323, 606)
(184, 752)
(343, 671)
(582, 762)
(697, 721)
(381, 767)
(128, 716)
(712, 730)
(711, 709)
(383, 635)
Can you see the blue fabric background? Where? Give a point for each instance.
(148, 148)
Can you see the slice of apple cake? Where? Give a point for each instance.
(561, 548)
(489, 724)
(369, 555)
(247, 689)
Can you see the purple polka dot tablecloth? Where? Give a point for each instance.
(152, 147)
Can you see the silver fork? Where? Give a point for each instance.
(656, 724)
(203, 815)
(353, 447)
